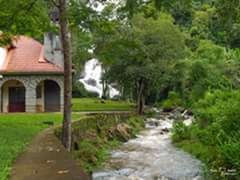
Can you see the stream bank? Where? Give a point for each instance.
(96, 135)
(151, 155)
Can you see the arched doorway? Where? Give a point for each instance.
(13, 96)
(48, 96)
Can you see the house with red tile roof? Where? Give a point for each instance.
(31, 75)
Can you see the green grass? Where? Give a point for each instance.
(205, 153)
(17, 130)
(95, 104)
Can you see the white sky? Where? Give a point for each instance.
(97, 6)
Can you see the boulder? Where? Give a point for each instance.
(121, 131)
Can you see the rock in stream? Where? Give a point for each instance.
(151, 156)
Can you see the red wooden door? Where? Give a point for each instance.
(16, 99)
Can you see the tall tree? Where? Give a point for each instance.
(142, 53)
(25, 17)
(65, 35)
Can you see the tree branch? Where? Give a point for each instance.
(26, 8)
(55, 3)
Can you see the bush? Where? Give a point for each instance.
(230, 151)
(136, 124)
(217, 131)
(172, 102)
(79, 91)
(180, 132)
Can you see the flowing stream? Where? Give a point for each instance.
(152, 156)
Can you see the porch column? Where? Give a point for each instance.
(61, 97)
(31, 99)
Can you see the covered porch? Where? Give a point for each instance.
(18, 95)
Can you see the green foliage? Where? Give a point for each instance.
(17, 130)
(180, 132)
(228, 18)
(95, 136)
(142, 45)
(32, 18)
(92, 157)
(136, 124)
(97, 104)
(210, 52)
(216, 130)
(138, 50)
(200, 25)
(25, 17)
(207, 154)
(210, 67)
(79, 91)
(172, 101)
(229, 149)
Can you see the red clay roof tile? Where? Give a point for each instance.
(28, 57)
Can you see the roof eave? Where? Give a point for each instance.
(32, 73)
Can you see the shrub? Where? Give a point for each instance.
(172, 102)
(230, 151)
(136, 124)
(216, 131)
(79, 91)
(180, 132)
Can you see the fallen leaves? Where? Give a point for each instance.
(63, 172)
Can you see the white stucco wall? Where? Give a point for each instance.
(40, 101)
(3, 53)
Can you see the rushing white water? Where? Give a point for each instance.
(92, 78)
(3, 54)
(151, 156)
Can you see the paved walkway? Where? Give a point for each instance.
(46, 159)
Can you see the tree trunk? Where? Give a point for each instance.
(140, 98)
(66, 129)
(105, 89)
(122, 94)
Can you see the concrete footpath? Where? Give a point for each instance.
(46, 159)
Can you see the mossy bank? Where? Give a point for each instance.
(96, 135)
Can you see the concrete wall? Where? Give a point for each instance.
(53, 49)
(40, 101)
(30, 82)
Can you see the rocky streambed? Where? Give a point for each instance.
(151, 155)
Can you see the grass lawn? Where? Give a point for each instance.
(17, 130)
(95, 104)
